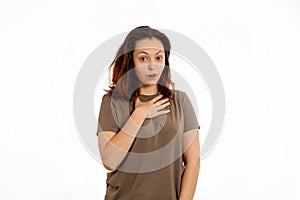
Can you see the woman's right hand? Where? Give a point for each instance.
(151, 108)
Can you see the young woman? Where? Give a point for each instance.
(147, 132)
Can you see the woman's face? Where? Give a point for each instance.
(149, 60)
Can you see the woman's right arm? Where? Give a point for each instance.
(114, 146)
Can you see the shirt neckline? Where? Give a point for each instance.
(149, 95)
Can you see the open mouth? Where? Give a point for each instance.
(152, 75)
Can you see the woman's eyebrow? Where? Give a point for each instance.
(147, 53)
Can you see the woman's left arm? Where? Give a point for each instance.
(191, 156)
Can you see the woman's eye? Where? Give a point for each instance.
(143, 58)
(159, 58)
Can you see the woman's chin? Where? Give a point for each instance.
(150, 83)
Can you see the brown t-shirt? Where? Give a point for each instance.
(153, 167)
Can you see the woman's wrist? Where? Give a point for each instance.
(141, 113)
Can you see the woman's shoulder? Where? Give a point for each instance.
(109, 98)
(106, 96)
(179, 94)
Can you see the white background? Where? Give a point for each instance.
(254, 45)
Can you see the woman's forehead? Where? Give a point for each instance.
(149, 44)
(149, 51)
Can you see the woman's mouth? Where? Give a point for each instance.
(152, 75)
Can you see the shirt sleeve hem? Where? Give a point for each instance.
(109, 129)
(196, 126)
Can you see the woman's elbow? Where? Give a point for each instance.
(108, 167)
(193, 163)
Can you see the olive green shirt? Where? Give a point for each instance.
(153, 167)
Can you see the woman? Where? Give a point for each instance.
(153, 151)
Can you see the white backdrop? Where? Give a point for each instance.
(254, 45)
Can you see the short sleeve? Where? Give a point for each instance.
(190, 119)
(106, 119)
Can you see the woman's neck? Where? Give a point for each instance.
(149, 90)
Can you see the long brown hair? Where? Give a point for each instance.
(124, 79)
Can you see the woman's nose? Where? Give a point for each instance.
(152, 62)
(151, 65)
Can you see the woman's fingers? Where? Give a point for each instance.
(154, 106)
(161, 101)
(159, 107)
(163, 105)
(156, 98)
(163, 112)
